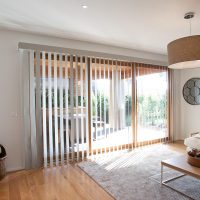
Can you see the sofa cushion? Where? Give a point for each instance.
(193, 142)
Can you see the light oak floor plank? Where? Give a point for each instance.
(58, 183)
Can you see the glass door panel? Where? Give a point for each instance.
(111, 86)
(151, 104)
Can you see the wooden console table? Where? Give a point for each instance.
(179, 164)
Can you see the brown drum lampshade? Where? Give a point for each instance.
(184, 52)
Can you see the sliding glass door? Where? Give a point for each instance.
(76, 106)
(92, 106)
(113, 124)
(152, 105)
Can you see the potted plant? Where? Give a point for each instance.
(2, 162)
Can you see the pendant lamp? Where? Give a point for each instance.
(184, 53)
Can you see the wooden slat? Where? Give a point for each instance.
(72, 104)
(44, 113)
(100, 110)
(77, 120)
(90, 105)
(87, 106)
(95, 78)
(66, 109)
(56, 112)
(32, 107)
(109, 105)
(61, 112)
(134, 105)
(50, 110)
(104, 107)
(82, 125)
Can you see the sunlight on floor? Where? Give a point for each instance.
(122, 159)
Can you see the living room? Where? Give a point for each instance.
(100, 105)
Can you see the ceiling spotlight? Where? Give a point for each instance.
(84, 6)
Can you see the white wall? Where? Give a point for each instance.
(187, 117)
(11, 135)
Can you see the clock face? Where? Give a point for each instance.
(191, 91)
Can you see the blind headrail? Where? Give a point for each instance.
(86, 53)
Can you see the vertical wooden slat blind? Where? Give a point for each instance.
(64, 95)
(110, 84)
(90, 105)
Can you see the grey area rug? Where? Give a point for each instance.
(136, 175)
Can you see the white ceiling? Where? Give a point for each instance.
(147, 25)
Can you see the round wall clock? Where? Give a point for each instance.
(191, 91)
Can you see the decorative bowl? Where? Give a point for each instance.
(194, 161)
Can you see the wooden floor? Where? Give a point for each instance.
(68, 182)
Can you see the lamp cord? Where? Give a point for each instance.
(190, 27)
